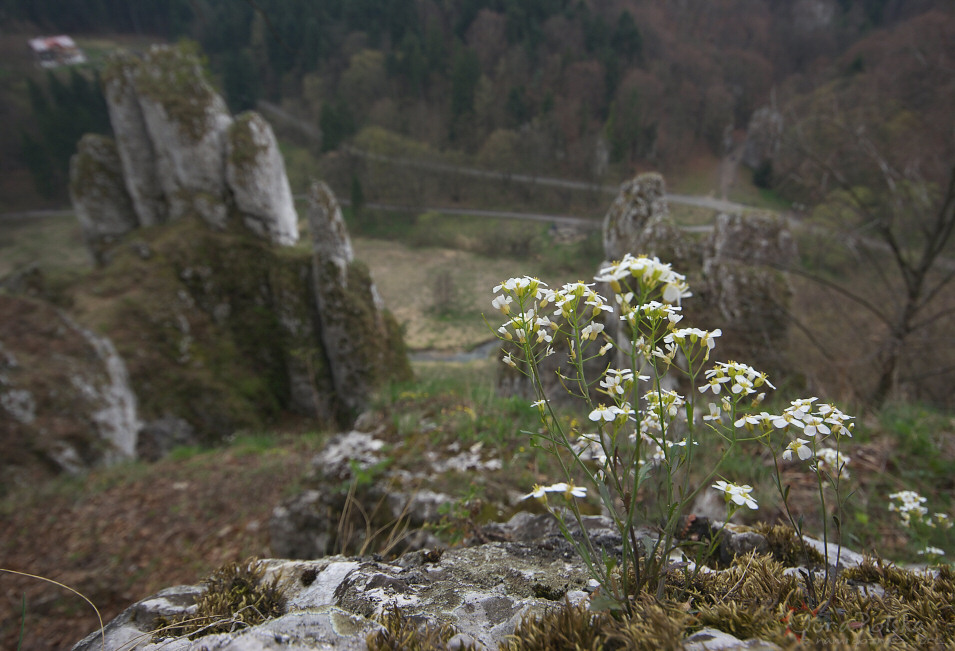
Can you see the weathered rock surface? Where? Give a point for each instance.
(335, 602)
(353, 325)
(99, 195)
(182, 154)
(186, 121)
(763, 137)
(255, 172)
(731, 273)
(132, 139)
(317, 522)
(742, 281)
(222, 331)
(639, 209)
(65, 398)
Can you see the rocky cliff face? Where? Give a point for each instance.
(133, 141)
(99, 195)
(182, 153)
(222, 322)
(352, 318)
(66, 402)
(255, 172)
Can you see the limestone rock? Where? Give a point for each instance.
(483, 592)
(318, 521)
(354, 330)
(639, 209)
(186, 121)
(526, 568)
(99, 195)
(65, 397)
(763, 137)
(712, 639)
(255, 172)
(133, 142)
(740, 281)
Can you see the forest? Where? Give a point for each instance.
(589, 90)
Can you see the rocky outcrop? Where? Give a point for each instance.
(183, 154)
(478, 595)
(353, 327)
(222, 330)
(742, 280)
(66, 403)
(339, 499)
(186, 120)
(99, 195)
(255, 172)
(763, 137)
(133, 142)
(733, 273)
(639, 207)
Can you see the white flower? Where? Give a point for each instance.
(568, 489)
(838, 420)
(591, 331)
(575, 491)
(798, 446)
(908, 504)
(509, 360)
(617, 381)
(502, 303)
(814, 425)
(932, 551)
(788, 418)
(738, 494)
(539, 493)
(603, 413)
(715, 412)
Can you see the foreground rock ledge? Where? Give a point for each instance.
(335, 602)
(483, 591)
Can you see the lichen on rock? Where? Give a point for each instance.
(186, 121)
(99, 196)
(135, 147)
(362, 344)
(255, 172)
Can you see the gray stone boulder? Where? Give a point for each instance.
(65, 400)
(638, 222)
(187, 122)
(99, 195)
(159, 437)
(763, 137)
(133, 142)
(339, 507)
(353, 327)
(743, 283)
(477, 594)
(256, 176)
(482, 592)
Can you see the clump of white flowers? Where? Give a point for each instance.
(643, 429)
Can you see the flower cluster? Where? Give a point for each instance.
(742, 379)
(910, 507)
(646, 433)
(650, 275)
(815, 425)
